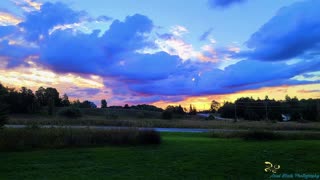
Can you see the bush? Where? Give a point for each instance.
(167, 115)
(28, 138)
(70, 112)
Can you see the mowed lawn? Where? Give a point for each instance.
(180, 156)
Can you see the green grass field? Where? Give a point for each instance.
(180, 156)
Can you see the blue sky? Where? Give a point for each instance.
(196, 16)
(161, 52)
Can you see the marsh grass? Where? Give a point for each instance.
(33, 137)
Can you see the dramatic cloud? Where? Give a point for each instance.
(145, 67)
(292, 32)
(38, 23)
(14, 53)
(116, 61)
(175, 45)
(240, 76)
(223, 3)
(66, 51)
(127, 36)
(112, 54)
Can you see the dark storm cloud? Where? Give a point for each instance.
(292, 32)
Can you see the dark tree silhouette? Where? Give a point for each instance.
(251, 109)
(104, 103)
(87, 104)
(65, 100)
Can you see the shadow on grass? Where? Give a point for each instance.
(260, 135)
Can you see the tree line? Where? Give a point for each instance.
(24, 100)
(270, 109)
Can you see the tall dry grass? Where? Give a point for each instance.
(33, 137)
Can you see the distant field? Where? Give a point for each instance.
(141, 118)
(180, 156)
(188, 122)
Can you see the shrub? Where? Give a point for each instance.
(70, 112)
(167, 115)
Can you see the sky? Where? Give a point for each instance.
(162, 52)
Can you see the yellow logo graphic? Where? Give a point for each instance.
(270, 167)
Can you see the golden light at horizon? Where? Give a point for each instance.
(278, 93)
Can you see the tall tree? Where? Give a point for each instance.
(65, 100)
(87, 104)
(104, 103)
(40, 95)
(192, 110)
(54, 94)
(3, 107)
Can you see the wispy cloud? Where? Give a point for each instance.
(206, 35)
(28, 5)
(9, 19)
(178, 30)
(223, 3)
